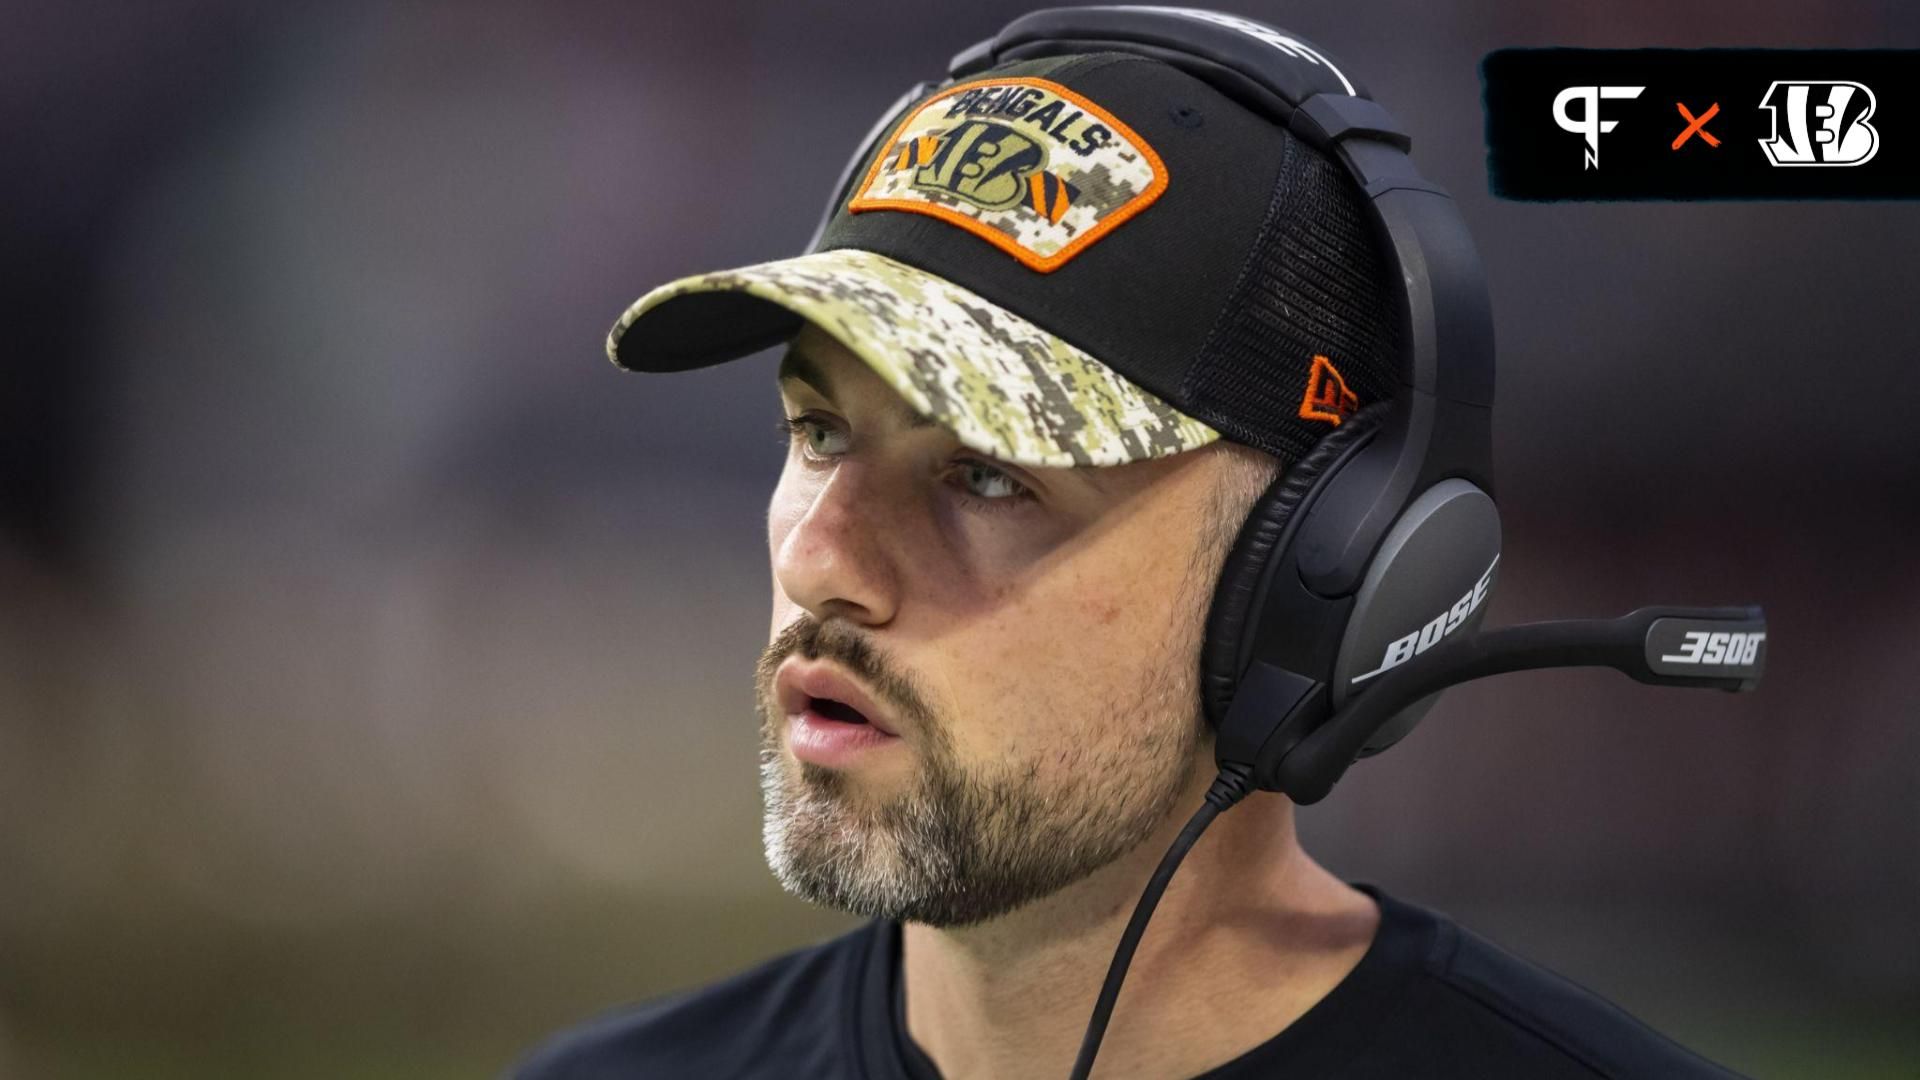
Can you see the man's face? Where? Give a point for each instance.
(1021, 643)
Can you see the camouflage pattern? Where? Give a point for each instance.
(1024, 163)
(1002, 385)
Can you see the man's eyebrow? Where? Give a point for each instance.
(799, 366)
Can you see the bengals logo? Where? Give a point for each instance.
(1028, 165)
(989, 165)
(1819, 123)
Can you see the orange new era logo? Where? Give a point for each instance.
(1327, 397)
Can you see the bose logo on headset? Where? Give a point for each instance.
(1406, 648)
(1293, 47)
(1701, 647)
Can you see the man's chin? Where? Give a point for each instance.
(827, 808)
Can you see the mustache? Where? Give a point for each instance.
(835, 640)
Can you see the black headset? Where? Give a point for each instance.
(1354, 590)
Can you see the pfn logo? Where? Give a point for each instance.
(1588, 124)
(1826, 124)
(1730, 649)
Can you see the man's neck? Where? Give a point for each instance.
(1249, 920)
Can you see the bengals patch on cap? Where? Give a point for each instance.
(1026, 164)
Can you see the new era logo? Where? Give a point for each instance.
(1327, 397)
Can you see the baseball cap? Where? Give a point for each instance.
(1075, 260)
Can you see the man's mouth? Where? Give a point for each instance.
(831, 719)
(822, 689)
(830, 733)
(836, 710)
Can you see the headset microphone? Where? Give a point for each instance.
(1713, 648)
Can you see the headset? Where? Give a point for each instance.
(1355, 589)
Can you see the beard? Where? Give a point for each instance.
(967, 842)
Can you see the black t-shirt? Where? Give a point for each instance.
(1429, 999)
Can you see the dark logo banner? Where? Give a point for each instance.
(1703, 123)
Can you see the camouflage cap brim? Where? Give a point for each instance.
(1002, 385)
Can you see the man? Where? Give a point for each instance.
(993, 550)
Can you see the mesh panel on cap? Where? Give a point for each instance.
(1313, 284)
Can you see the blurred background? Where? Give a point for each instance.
(374, 658)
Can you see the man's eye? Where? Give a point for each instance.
(985, 484)
(817, 438)
(983, 481)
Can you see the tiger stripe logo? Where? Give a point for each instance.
(1026, 164)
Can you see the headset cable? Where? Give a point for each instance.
(1228, 788)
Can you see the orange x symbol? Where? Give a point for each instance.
(1697, 125)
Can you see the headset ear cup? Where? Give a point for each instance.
(1235, 608)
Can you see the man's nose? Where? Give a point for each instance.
(836, 559)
